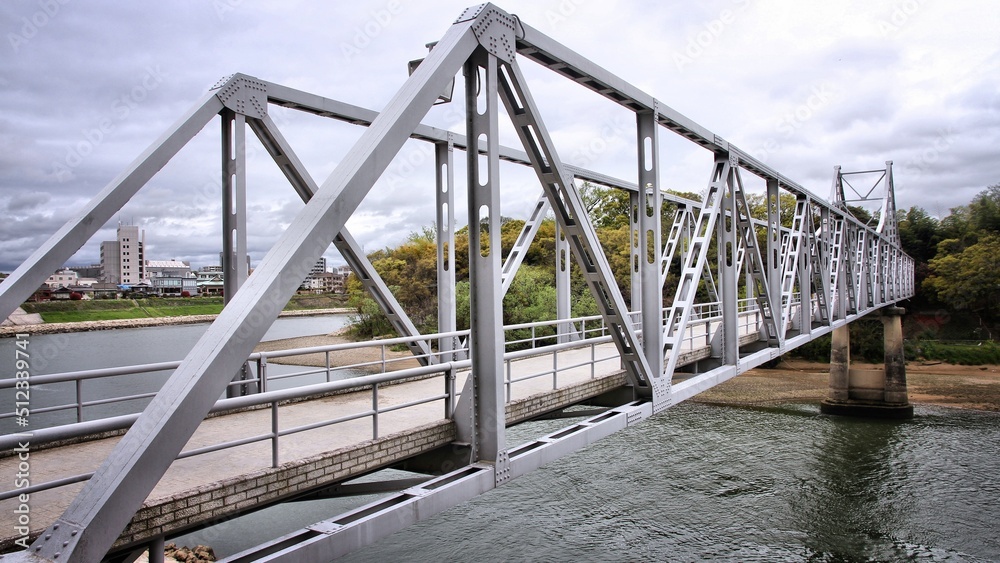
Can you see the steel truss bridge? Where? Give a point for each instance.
(826, 270)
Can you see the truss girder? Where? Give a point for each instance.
(755, 265)
(288, 162)
(791, 269)
(572, 218)
(102, 509)
(850, 268)
(694, 263)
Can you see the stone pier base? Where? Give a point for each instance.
(869, 393)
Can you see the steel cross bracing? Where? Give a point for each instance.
(827, 269)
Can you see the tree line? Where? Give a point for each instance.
(957, 262)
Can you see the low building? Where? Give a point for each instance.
(171, 278)
(105, 290)
(62, 277)
(211, 286)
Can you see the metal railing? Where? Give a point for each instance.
(272, 400)
(591, 343)
(590, 333)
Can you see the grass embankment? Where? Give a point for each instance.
(112, 309)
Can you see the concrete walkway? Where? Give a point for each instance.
(200, 471)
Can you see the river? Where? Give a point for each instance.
(59, 353)
(706, 482)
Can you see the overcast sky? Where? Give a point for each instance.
(804, 86)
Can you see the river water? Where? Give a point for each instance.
(60, 353)
(704, 482)
(697, 482)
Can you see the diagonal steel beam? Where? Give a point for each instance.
(755, 264)
(19, 286)
(99, 513)
(524, 239)
(278, 147)
(695, 262)
(571, 215)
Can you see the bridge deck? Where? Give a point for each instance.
(171, 505)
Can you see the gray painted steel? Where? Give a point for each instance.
(841, 268)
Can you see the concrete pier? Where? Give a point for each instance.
(877, 393)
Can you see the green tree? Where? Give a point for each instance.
(609, 208)
(969, 279)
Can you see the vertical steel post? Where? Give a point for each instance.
(486, 339)
(235, 266)
(635, 256)
(444, 172)
(650, 235)
(234, 203)
(564, 295)
(728, 274)
(804, 274)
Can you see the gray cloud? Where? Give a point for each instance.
(85, 93)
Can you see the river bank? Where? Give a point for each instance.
(793, 380)
(965, 387)
(86, 326)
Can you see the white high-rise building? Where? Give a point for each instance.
(123, 261)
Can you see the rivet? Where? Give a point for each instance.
(47, 536)
(65, 543)
(55, 526)
(73, 533)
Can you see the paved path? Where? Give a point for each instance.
(190, 473)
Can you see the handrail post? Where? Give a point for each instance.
(156, 548)
(274, 434)
(79, 400)
(328, 366)
(593, 361)
(262, 373)
(375, 410)
(555, 369)
(449, 391)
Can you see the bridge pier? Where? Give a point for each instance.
(869, 393)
